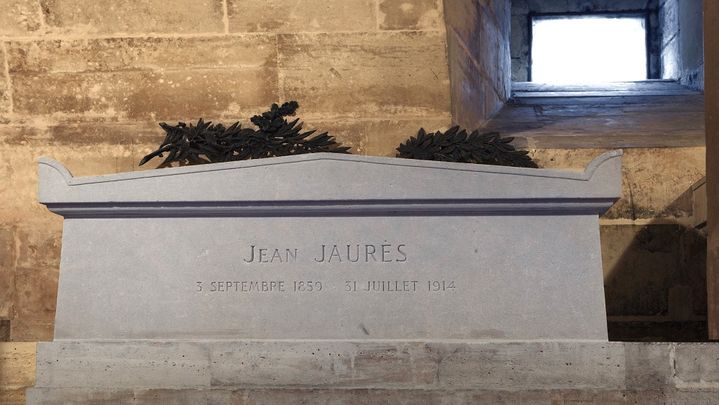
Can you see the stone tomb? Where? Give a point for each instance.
(321, 248)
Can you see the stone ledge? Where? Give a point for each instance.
(49, 396)
(385, 365)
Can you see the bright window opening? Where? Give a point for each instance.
(588, 49)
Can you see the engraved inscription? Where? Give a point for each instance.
(242, 286)
(317, 286)
(331, 253)
(382, 286)
(440, 285)
(366, 253)
(307, 286)
(265, 255)
(334, 254)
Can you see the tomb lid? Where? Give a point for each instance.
(327, 184)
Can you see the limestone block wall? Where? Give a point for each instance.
(87, 81)
(654, 261)
(17, 371)
(682, 41)
(478, 39)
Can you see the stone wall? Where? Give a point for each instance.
(87, 81)
(521, 37)
(478, 34)
(17, 371)
(654, 260)
(682, 41)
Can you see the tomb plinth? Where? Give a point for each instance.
(203, 270)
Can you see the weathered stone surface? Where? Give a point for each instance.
(238, 364)
(648, 365)
(534, 366)
(327, 363)
(168, 95)
(32, 245)
(410, 15)
(474, 99)
(61, 137)
(479, 60)
(35, 288)
(362, 314)
(670, 60)
(627, 115)
(384, 142)
(378, 137)
(19, 17)
(5, 96)
(36, 291)
(502, 13)
(690, 29)
(7, 272)
(699, 203)
(652, 270)
(655, 181)
(32, 329)
(155, 54)
(465, 18)
(342, 397)
(302, 15)
(88, 17)
(697, 365)
(365, 397)
(659, 188)
(362, 75)
(487, 51)
(669, 18)
(4, 330)
(367, 92)
(153, 365)
(363, 50)
(34, 224)
(219, 372)
(12, 396)
(17, 365)
(468, 371)
(681, 47)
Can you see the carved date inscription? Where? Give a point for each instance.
(310, 286)
(258, 286)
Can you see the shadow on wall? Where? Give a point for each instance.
(655, 281)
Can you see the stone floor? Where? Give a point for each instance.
(656, 113)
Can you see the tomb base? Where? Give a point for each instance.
(368, 396)
(389, 371)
